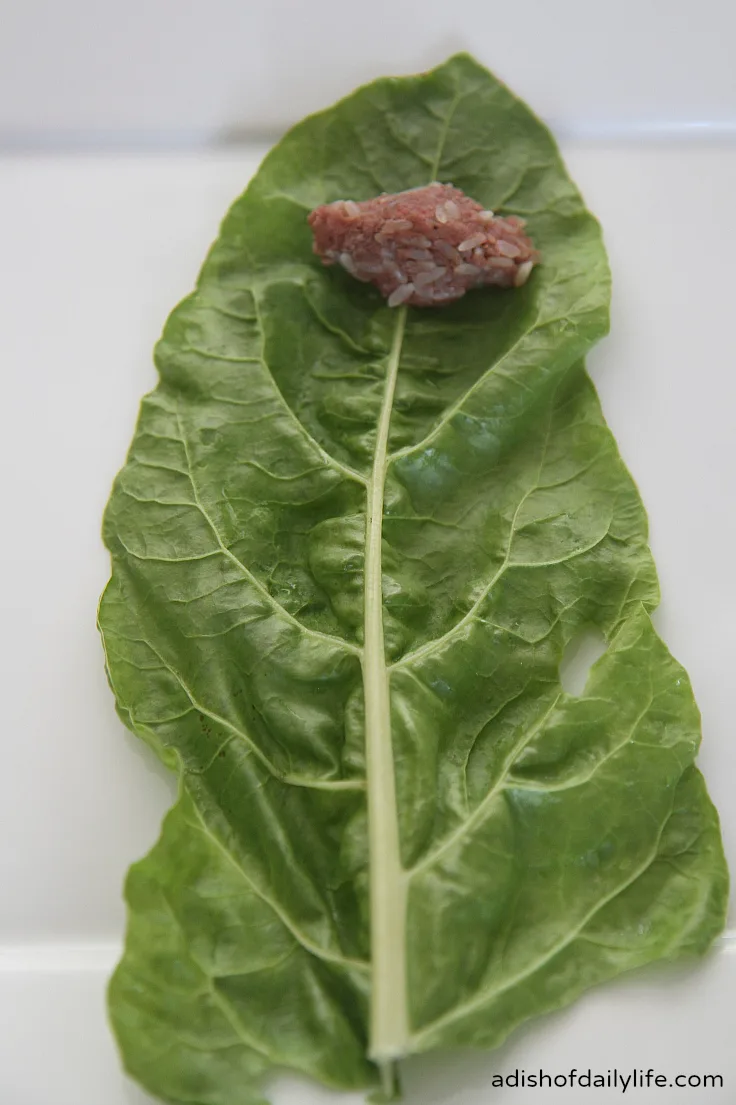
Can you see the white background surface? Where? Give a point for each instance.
(172, 71)
(94, 251)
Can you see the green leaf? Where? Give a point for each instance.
(350, 549)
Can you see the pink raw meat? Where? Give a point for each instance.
(425, 247)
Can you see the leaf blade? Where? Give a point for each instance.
(503, 522)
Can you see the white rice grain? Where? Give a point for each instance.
(393, 226)
(423, 279)
(400, 295)
(467, 270)
(500, 263)
(486, 216)
(351, 209)
(513, 228)
(372, 267)
(507, 249)
(452, 209)
(440, 213)
(348, 264)
(522, 273)
(472, 242)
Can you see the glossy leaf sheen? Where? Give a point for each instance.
(525, 843)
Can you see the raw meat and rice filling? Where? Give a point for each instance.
(425, 247)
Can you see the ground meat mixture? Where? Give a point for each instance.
(425, 247)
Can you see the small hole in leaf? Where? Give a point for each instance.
(581, 653)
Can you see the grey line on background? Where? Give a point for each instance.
(208, 141)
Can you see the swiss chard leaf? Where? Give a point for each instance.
(350, 547)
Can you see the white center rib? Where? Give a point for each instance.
(389, 1015)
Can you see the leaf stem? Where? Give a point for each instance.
(389, 1016)
(388, 1079)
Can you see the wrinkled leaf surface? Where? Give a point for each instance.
(350, 548)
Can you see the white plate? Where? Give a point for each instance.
(95, 251)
